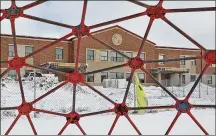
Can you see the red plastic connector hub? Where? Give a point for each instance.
(210, 57)
(13, 12)
(121, 109)
(81, 30)
(75, 77)
(156, 11)
(17, 63)
(135, 63)
(25, 108)
(73, 117)
(183, 106)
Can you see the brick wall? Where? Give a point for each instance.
(48, 55)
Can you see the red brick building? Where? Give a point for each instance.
(97, 56)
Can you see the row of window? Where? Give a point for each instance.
(114, 56)
(30, 49)
(182, 62)
(115, 75)
(193, 78)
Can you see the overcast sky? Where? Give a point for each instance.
(200, 26)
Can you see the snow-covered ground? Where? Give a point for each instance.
(148, 124)
(88, 101)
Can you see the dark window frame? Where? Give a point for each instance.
(103, 75)
(209, 81)
(104, 58)
(90, 81)
(117, 57)
(11, 53)
(62, 55)
(90, 58)
(27, 53)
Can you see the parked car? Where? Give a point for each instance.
(30, 76)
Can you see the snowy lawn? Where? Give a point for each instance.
(148, 124)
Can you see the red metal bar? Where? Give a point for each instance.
(184, 34)
(46, 21)
(96, 113)
(95, 90)
(77, 52)
(154, 107)
(191, 10)
(160, 2)
(49, 112)
(146, 35)
(139, 3)
(84, 11)
(31, 124)
(128, 85)
(45, 69)
(14, 35)
(51, 91)
(12, 125)
(80, 128)
(65, 126)
(105, 69)
(21, 86)
(198, 124)
(8, 108)
(114, 123)
(13, 3)
(5, 72)
(204, 106)
(2, 10)
(197, 81)
(33, 4)
(159, 84)
(108, 46)
(131, 122)
(173, 123)
(49, 45)
(74, 98)
(2, 17)
(118, 20)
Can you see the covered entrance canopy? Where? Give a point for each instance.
(169, 70)
(65, 67)
(163, 74)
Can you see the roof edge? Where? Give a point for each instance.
(33, 37)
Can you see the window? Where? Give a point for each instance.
(209, 79)
(183, 79)
(116, 57)
(10, 50)
(129, 54)
(120, 75)
(127, 76)
(90, 54)
(142, 56)
(141, 77)
(161, 57)
(104, 55)
(90, 78)
(193, 62)
(28, 50)
(192, 78)
(12, 74)
(116, 75)
(104, 75)
(182, 62)
(59, 53)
